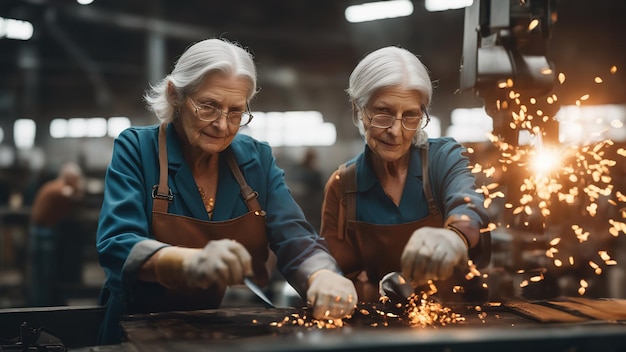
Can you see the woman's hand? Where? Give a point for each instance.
(331, 295)
(431, 254)
(224, 261)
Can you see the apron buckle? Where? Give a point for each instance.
(156, 194)
(252, 195)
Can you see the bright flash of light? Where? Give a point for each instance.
(545, 161)
(574, 175)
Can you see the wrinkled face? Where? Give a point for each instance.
(390, 144)
(220, 91)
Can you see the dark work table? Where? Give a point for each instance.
(564, 324)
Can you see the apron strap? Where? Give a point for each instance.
(161, 193)
(347, 185)
(248, 194)
(432, 206)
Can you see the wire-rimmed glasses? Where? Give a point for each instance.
(210, 113)
(411, 123)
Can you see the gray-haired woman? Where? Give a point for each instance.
(407, 203)
(191, 206)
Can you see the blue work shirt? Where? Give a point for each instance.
(453, 187)
(124, 240)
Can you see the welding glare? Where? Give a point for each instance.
(545, 161)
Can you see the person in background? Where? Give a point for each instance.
(407, 203)
(50, 220)
(190, 206)
(307, 186)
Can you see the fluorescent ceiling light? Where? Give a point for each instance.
(442, 5)
(378, 10)
(16, 29)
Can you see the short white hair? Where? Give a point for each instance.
(389, 67)
(199, 60)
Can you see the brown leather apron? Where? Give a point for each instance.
(177, 230)
(381, 246)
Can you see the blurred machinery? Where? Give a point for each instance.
(504, 60)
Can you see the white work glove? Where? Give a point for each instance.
(431, 254)
(331, 295)
(224, 261)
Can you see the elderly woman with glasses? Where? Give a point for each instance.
(191, 206)
(407, 204)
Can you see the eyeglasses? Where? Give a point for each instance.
(411, 123)
(209, 113)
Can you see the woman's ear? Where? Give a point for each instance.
(172, 94)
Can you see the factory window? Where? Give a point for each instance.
(470, 125)
(433, 129)
(291, 128)
(116, 125)
(24, 133)
(93, 127)
(587, 124)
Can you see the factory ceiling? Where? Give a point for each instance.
(97, 60)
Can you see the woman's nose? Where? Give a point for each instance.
(221, 122)
(396, 126)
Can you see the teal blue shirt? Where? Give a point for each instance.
(451, 181)
(124, 241)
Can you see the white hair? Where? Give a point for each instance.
(388, 67)
(198, 61)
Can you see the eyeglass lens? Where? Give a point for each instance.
(386, 121)
(210, 113)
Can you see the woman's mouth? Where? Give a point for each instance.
(387, 143)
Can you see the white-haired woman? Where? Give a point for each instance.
(407, 203)
(191, 206)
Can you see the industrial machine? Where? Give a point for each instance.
(504, 62)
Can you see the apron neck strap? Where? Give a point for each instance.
(248, 194)
(432, 206)
(161, 193)
(348, 188)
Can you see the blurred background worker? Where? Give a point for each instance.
(307, 186)
(51, 230)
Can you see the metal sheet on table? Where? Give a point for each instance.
(571, 310)
(486, 327)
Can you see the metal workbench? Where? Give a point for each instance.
(558, 325)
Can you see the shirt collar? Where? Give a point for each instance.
(365, 173)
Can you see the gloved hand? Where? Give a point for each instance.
(331, 295)
(221, 261)
(431, 254)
